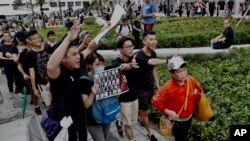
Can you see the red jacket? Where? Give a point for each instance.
(172, 96)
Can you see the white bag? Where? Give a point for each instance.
(45, 94)
(63, 135)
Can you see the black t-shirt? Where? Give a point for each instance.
(66, 99)
(137, 24)
(229, 35)
(8, 49)
(131, 78)
(221, 4)
(144, 77)
(230, 4)
(22, 60)
(85, 88)
(38, 61)
(50, 49)
(211, 5)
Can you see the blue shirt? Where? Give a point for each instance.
(148, 8)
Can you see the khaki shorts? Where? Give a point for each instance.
(129, 112)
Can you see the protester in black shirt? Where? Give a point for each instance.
(37, 59)
(230, 5)
(225, 39)
(147, 79)
(99, 132)
(137, 28)
(51, 45)
(9, 54)
(64, 72)
(24, 69)
(129, 66)
(221, 4)
(165, 8)
(211, 7)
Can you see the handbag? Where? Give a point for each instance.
(50, 126)
(166, 125)
(45, 95)
(203, 111)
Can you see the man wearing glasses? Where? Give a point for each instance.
(224, 40)
(131, 65)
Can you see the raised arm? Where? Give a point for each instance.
(53, 69)
(92, 47)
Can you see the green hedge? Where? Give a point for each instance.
(226, 81)
(177, 32)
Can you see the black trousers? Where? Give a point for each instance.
(9, 70)
(220, 46)
(137, 41)
(180, 130)
(211, 13)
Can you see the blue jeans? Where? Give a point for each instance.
(99, 133)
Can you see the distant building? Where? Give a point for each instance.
(8, 7)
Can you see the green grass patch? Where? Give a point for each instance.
(174, 32)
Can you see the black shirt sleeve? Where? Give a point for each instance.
(1, 49)
(22, 57)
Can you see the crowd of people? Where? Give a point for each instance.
(57, 67)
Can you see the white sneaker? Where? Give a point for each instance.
(11, 95)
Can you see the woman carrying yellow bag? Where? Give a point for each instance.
(177, 99)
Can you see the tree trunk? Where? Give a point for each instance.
(33, 13)
(60, 8)
(42, 14)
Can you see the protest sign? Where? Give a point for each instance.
(111, 83)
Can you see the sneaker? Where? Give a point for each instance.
(141, 123)
(11, 95)
(119, 128)
(152, 138)
(38, 111)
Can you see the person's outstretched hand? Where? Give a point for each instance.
(74, 31)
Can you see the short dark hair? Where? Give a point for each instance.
(21, 35)
(137, 14)
(50, 33)
(91, 59)
(31, 33)
(150, 32)
(121, 42)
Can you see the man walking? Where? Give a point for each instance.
(148, 15)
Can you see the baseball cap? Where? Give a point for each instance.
(175, 63)
(82, 34)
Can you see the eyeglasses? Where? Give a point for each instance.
(129, 47)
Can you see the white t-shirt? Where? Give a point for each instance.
(125, 29)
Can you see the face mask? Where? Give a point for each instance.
(14, 25)
(98, 69)
(12, 34)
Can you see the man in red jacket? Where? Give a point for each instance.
(177, 97)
